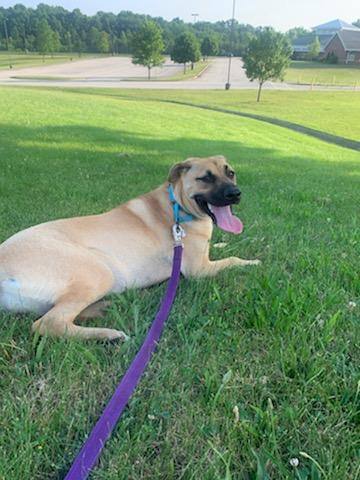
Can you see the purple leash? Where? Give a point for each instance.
(90, 452)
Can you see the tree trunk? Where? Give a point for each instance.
(192, 65)
(184, 67)
(259, 91)
(149, 73)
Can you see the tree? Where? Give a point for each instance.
(296, 32)
(314, 49)
(267, 57)
(186, 49)
(113, 43)
(93, 39)
(68, 42)
(209, 46)
(79, 45)
(123, 43)
(44, 38)
(103, 43)
(22, 28)
(148, 46)
(55, 44)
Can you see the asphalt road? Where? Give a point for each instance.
(119, 72)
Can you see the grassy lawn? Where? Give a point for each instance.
(337, 113)
(278, 341)
(322, 74)
(189, 74)
(21, 60)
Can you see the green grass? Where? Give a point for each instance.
(277, 341)
(189, 74)
(322, 74)
(21, 60)
(337, 113)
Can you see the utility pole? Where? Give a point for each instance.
(228, 84)
(195, 16)
(7, 42)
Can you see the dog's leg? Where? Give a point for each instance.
(96, 310)
(210, 268)
(59, 321)
(198, 264)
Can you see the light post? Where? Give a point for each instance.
(228, 84)
(195, 16)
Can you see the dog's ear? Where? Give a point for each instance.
(177, 170)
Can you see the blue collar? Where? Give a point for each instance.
(177, 209)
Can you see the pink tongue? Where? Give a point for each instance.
(226, 220)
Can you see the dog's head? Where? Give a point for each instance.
(207, 186)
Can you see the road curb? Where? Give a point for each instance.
(202, 71)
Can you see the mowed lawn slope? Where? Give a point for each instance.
(337, 113)
(276, 341)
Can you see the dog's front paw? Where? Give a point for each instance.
(254, 262)
(243, 263)
(115, 335)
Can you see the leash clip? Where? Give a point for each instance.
(178, 233)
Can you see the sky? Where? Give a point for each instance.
(280, 14)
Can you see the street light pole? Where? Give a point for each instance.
(196, 17)
(227, 84)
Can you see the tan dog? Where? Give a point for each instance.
(60, 269)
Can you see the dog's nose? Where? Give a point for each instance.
(232, 193)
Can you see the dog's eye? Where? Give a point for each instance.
(208, 178)
(228, 172)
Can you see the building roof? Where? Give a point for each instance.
(350, 39)
(335, 25)
(302, 44)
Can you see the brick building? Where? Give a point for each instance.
(337, 37)
(346, 46)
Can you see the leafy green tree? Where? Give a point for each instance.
(44, 38)
(94, 39)
(186, 49)
(123, 43)
(104, 43)
(55, 44)
(23, 23)
(113, 41)
(314, 49)
(209, 46)
(17, 40)
(267, 57)
(30, 43)
(296, 32)
(148, 46)
(68, 42)
(79, 45)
